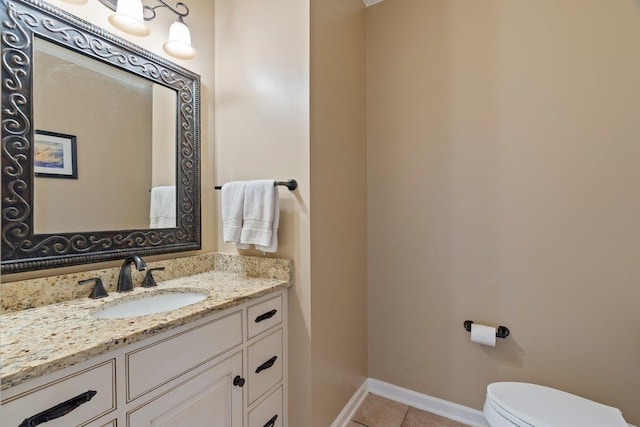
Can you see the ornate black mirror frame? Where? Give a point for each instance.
(22, 249)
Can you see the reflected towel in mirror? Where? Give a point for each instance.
(162, 213)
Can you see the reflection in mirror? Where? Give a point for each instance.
(125, 131)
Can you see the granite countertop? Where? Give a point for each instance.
(45, 339)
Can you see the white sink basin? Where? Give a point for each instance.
(151, 304)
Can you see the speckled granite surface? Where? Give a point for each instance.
(25, 294)
(272, 268)
(45, 339)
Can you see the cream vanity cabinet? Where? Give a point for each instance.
(226, 370)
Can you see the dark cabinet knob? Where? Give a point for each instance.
(238, 381)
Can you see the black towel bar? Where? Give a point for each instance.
(292, 184)
(501, 331)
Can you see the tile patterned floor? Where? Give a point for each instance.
(376, 411)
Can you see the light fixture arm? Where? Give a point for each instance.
(150, 11)
(181, 10)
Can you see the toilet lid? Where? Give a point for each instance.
(541, 406)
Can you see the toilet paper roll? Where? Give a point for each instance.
(483, 334)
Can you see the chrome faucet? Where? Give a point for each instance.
(125, 284)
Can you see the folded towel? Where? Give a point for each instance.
(232, 205)
(261, 215)
(162, 213)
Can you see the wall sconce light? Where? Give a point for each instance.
(130, 16)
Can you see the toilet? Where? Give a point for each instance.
(510, 404)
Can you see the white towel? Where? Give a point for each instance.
(232, 210)
(162, 212)
(261, 215)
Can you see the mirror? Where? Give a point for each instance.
(100, 144)
(125, 148)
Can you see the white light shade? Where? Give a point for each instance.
(78, 2)
(129, 17)
(179, 43)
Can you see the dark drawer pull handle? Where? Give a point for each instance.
(238, 381)
(266, 365)
(271, 422)
(267, 315)
(59, 410)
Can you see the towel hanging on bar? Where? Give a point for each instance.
(292, 184)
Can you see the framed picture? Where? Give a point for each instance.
(55, 155)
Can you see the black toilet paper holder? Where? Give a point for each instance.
(501, 331)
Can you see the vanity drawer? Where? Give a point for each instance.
(263, 316)
(268, 413)
(265, 364)
(99, 379)
(161, 362)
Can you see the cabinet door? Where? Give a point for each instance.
(207, 399)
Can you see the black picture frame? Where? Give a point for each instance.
(55, 155)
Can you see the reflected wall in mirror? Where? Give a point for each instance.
(135, 119)
(126, 148)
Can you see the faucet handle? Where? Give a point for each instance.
(98, 290)
(149, 281)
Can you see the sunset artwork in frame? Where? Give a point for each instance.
(55, 155)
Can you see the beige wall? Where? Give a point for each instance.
(338, 190)
(202, 33)
(262, 131)
(503, 188)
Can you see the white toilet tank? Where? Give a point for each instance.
(510, 404)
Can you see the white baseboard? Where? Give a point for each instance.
(349, 411)
(444, 408)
